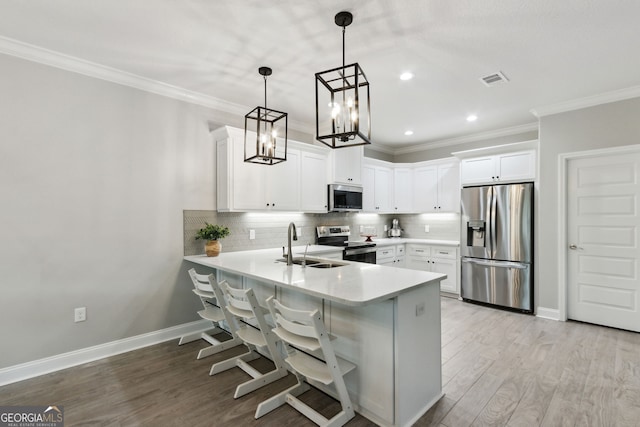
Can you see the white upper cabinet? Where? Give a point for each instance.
(436, 187)
(402, 190)
(449, 187)
(497, 168)
(377, 188)
(347, 165)
(314, 173)
(252, 187)
(283, 183)
(425, 189)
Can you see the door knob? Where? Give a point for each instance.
(574, 247)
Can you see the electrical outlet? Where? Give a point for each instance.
(80, 314)
(385, 227)
(419, 309)
(252, 234)
(426, 228)
(299, 231)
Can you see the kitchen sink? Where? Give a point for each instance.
(327, 265)
(314, 262)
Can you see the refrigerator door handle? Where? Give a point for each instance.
(494, 214)
(499, 264)
(489, 232)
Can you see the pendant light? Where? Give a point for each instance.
(265, 132)
(343, 113)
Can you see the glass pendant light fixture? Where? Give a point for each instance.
(343, 113)
(265, 132)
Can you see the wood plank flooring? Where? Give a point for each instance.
(499, 369)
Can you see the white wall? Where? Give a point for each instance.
(608, 125)
(93, 180)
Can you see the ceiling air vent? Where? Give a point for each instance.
(494, 79)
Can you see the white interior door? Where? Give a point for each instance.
(602, 224)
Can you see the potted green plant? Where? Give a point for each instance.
(212, 233)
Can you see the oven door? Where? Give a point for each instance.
(367, 255)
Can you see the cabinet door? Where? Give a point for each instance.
(249, 181)
(516, 166)
(347, 165)
(383, 189)
(425, 189)
(283, 181)
(386, 256)
(418, 263)
(448, 267)
(402, 190)
(368, 189)
(449, 188)
(313, 185)
(478, 171)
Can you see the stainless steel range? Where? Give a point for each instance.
(338, 235)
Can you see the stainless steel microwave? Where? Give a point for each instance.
(345, 198)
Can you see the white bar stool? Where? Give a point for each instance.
(242, 305)
(204, 289)
(304, 330)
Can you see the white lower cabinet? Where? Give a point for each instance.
(391, 256)
(437, 259)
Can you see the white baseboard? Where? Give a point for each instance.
(47, 365)
(548, 313)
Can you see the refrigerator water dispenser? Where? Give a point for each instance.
(475, 233)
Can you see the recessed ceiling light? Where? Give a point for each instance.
(406, 76)
(472, 118)
(408, 132)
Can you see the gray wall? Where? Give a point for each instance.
(94, 177)
(375, 154)
(608, 125)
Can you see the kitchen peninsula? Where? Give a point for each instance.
(386, 320)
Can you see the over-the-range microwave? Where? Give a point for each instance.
(344, 198)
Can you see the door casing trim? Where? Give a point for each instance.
(563, 167)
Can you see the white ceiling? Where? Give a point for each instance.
(552, 51)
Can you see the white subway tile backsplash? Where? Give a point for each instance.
(271, 228)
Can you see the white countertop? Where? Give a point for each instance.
(402, 240)
(352, 284)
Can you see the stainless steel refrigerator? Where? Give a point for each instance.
(497, 245)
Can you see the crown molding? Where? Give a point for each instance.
(55, 59)
(514, 130)
(380, 148)
(589, 101)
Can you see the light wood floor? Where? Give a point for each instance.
(499, 368)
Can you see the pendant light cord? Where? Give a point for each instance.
(343, 45)
(265, 92)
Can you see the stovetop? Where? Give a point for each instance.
(338, 235)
